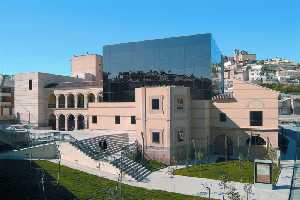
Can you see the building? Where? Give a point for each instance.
(43, 99)
(192, 61)
(6, 97)
(167, 93)
(255, 72)
(242, 56)
(172, 126)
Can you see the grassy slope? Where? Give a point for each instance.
(84, 185)
(231, 168)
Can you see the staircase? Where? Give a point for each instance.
(132, 168)
(116, 144)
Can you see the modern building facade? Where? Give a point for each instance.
(192, 61)
(6, 97)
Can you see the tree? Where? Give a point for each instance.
(233, 194)
(224, 179)
(248, 189)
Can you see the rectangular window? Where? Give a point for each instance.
(256, 118)
(133, 120)
(117, 119)
(30, 85)
(155, 104)
(94, 119)
(180, 135)
(180, 103)
(155, 137)
(223, 117)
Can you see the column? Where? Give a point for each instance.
(75, 100)
(76, 122)
(57, 122)
(86, 121)
(66, 122)
(56, 100)
(85, 100)
(66, 100)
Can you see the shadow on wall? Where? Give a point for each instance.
(20, 181)
(229, 141)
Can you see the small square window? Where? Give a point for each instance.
(30, 84)
(180, 135)
(155, 104)
(117, 119)
(256, 118)
(155, 137)
(223, 117)
(94, 119)
(133, 120)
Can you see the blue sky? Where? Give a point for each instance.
(43, 35)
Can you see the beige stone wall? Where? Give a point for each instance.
(32, 105)
(106, 113)
(200, 124)
(247, 97)
(88, 67)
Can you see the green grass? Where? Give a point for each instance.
(230, 168)
(154, 165)
(83, 186)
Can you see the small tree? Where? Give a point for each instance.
(224, 182)
(233, 194)
(248, 189)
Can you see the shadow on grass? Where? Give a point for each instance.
(21, 180)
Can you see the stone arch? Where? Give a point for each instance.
(80, 122)
(80, 100)
(256, 140)
(51, 101)
(61, 122)
(220, 146)
(71, 101)
(52, 121)
(61, 101)
(91, 98)
(71, 122)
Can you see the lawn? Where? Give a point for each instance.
(230, 168)
(19, 181)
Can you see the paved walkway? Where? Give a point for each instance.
(295, 193)
(160, 180)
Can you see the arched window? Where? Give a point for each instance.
(61, 101)
(71, 101)
(256, 140)
(61, 122)
(91, 98)
(80, 101)
(71, 122)
(80, 122)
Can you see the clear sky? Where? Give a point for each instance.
(43, 35)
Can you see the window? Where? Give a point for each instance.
(155, 137)
(155, 104)
(179, 103)
(256, 118)
(30, 84)
(117, 119)
(133, 120)
(223, 117)
(94, 119)
(180, 135)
